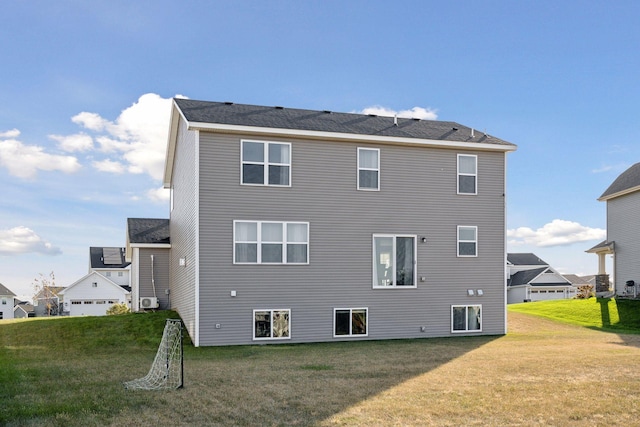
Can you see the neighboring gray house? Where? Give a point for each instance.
(6, 302)
(148, 246)
(623, 235)
(23, 309)
(292, 225)
(532, 279)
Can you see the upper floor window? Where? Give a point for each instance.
(467, 174)
(394, 261)
(466, 318)
(262, 242)
(266, 163)
(368, 169)
(467, 241)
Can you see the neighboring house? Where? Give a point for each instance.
(6, 302)
(23, 309)
(47, 301)
(111, 263)
(623, 235)
(93, 295)
(148, 247)
(292, 225)
(532, 279)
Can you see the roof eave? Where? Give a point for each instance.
(338, 136)
(604, 198)
(176, 115)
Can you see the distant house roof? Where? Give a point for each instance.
(525, 276)
(49, 292)
(279, 121)
(5, 291)
(627, 182)
(576, 280)
(24, 306)
(107, 257)
(524, 259)
(148, 231)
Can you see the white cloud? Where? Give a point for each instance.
(109, 166)
(22, 240)
(13, 133)
(138, 137)
(24, 161)
(556, 233)
(71, 143)
(159, 194)
(413, 113)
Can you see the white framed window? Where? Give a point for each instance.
(4, 301)
(120, 274)
(467, 174)
(368, 169)
(271, 324)
(466, 318)
(265, 163)
(350, 322)
(394, 261)
(270, 242)
(108, 274)
(467, 241)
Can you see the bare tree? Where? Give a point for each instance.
(45, 292)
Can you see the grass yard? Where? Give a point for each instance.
(69, 372)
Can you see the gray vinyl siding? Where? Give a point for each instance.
(417, 196)
(623, 228)
(183, 229)
(160, 277)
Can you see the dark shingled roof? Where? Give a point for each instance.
(97, 259)
(228, 113)
(148, 230)
(5, 291)
(626, 181)
(524, 277)
(525, 259)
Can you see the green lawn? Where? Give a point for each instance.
(69, 372)
(606, 314)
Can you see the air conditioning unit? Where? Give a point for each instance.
(148, 302)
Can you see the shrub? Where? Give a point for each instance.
(120, 308)
(585, 292)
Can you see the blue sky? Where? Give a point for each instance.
(86, 88)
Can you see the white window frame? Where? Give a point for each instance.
(376, 169)
(350, 334)
(285, 242)
(474, 175)
(395, 266)
(271, 311)
(466, 319)
(475, 227)
(266, 163)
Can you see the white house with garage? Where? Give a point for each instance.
(6, 302)
(93, 295)
(532, 279)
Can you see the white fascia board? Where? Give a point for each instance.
(151, 245)
(336, 136)
(619, 193)
(176, 116)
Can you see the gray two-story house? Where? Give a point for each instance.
(292, 225)
(623, 235)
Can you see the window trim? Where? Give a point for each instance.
(466, 319)
(350, 334)
(415, 261)
(259, 242)
(377, 169)
(459, 174)
(266, 163)
(271, 311)
(475, 227)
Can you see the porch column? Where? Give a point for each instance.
(601, 263)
